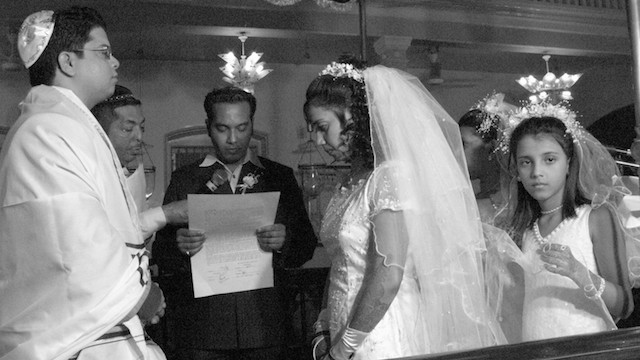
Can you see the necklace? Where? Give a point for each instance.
(543, 240)
(547, 212)
(538, 236)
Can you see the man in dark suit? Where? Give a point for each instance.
(244, 325)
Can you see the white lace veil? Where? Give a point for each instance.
(410, 128)
(600, 178)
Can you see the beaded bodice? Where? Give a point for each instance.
(346, 234)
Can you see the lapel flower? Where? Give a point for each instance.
(249, 181)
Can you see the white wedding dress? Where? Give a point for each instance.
(419, 169)
(345, 234)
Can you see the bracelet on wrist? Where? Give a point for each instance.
(592, 293)
(322, 324)
(316, 340)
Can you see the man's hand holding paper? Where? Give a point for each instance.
(240, 236)
(190, 242)
(271, 237)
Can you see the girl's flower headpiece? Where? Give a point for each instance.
(495, 113)
(343, 70)
(560, 111)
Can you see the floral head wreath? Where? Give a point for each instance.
(560, 111)
(343, 70)
(495, 112)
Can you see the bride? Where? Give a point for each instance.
(403, 234)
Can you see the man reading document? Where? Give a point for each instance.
(248, 324)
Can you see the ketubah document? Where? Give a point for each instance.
(231, 260)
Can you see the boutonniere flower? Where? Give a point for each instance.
(249, 181)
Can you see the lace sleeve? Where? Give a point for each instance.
(382, 190)
(386, 215)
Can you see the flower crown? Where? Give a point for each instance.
(560, 111)
(495, 112)
(343, 70)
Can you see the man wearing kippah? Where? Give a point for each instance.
(74, 279)
(122, 119)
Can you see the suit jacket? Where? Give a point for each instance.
(241, 320)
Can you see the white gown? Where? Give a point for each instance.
(441, 304)
(345, 234)
(554, 305)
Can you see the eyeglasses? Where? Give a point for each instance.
(105, 51)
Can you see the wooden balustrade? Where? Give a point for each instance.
(610, 345)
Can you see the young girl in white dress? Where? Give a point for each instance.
(576, 279)
(403, 234)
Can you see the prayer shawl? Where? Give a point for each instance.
(72, 263)
(151, 219)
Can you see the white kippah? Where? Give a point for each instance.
(34, 36)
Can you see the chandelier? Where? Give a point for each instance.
(550, 86)
(244, 72)
(339, 5)
(283, 2)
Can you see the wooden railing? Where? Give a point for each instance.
(610, 345)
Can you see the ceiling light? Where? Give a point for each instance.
(244, 72)
(550, 85)
(283, 2)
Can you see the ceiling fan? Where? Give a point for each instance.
(11, 62)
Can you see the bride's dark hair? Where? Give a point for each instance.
(338, 94)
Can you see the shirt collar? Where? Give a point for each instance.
(249, 157)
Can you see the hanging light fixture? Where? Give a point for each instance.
(311, 167)
(339, 5)
(246, 71)
(435, 67)
(283, 2)
(310, 162)
(550, 87)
